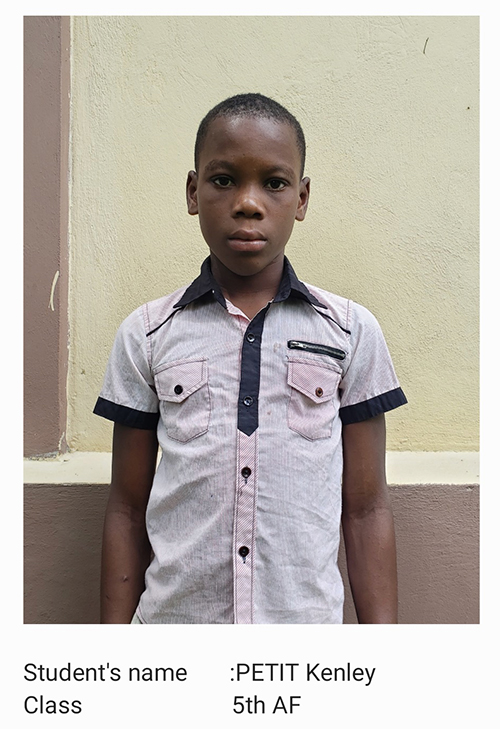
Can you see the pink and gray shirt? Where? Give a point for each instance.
(244, 512)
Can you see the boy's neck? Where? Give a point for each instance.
(249, 293)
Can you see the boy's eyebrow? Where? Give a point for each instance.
(282, 170)
(217, 164)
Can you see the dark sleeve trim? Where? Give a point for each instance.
(126, 416)
(372, 407)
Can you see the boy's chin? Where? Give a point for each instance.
(248, 263)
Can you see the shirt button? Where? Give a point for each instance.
(248, 401)
(245, 472)
(178, 389)
(319, 392)
(250, 337)
(243, 551)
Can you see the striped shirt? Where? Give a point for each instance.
(244, 511)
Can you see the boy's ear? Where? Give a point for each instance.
(304, 189)
(192, 193)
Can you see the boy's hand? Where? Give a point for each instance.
(126, 551)
(367, 522)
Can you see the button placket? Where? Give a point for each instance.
(244, 527)
(248, 399)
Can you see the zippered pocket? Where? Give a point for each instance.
(316, 348)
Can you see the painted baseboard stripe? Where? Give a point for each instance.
(403, 468)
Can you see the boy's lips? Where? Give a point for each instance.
(247, 240)
(247, 235)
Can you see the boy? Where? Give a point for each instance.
(266, 397)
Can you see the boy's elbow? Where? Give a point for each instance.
(373, 505)
(126, 510)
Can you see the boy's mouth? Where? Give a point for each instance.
(247, 240)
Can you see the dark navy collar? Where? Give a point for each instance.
(205, 283)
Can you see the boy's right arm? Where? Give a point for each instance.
(126, 551)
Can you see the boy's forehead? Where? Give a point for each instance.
(242, 134)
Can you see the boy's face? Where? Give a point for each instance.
(248, 192)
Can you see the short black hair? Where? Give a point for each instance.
(250, 105)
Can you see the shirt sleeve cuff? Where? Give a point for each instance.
(126, 416)
(372, 407)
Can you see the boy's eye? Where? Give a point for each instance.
(276, 184)
(222, 181)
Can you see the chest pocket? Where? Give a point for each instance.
(313, 402)
(182, 389)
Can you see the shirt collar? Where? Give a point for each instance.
(205, 283)
(201, 286)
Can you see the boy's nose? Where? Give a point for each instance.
(248, 204)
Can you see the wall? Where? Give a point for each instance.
(390, 111)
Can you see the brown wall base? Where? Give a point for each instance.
(438, 553)
(437, 533)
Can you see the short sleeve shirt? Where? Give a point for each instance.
(244, 511)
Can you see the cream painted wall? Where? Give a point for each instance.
(392, 137)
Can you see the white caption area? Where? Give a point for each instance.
(385, 676)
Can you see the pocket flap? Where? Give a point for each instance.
(313, 379)
(176, 381)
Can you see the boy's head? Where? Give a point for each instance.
(247, 188)
(254, 106)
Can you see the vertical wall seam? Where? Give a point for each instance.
(65, 130)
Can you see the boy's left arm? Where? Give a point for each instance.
(367, 522)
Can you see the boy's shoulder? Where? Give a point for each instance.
(159, 310)
(146, 318)
(346, 312)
